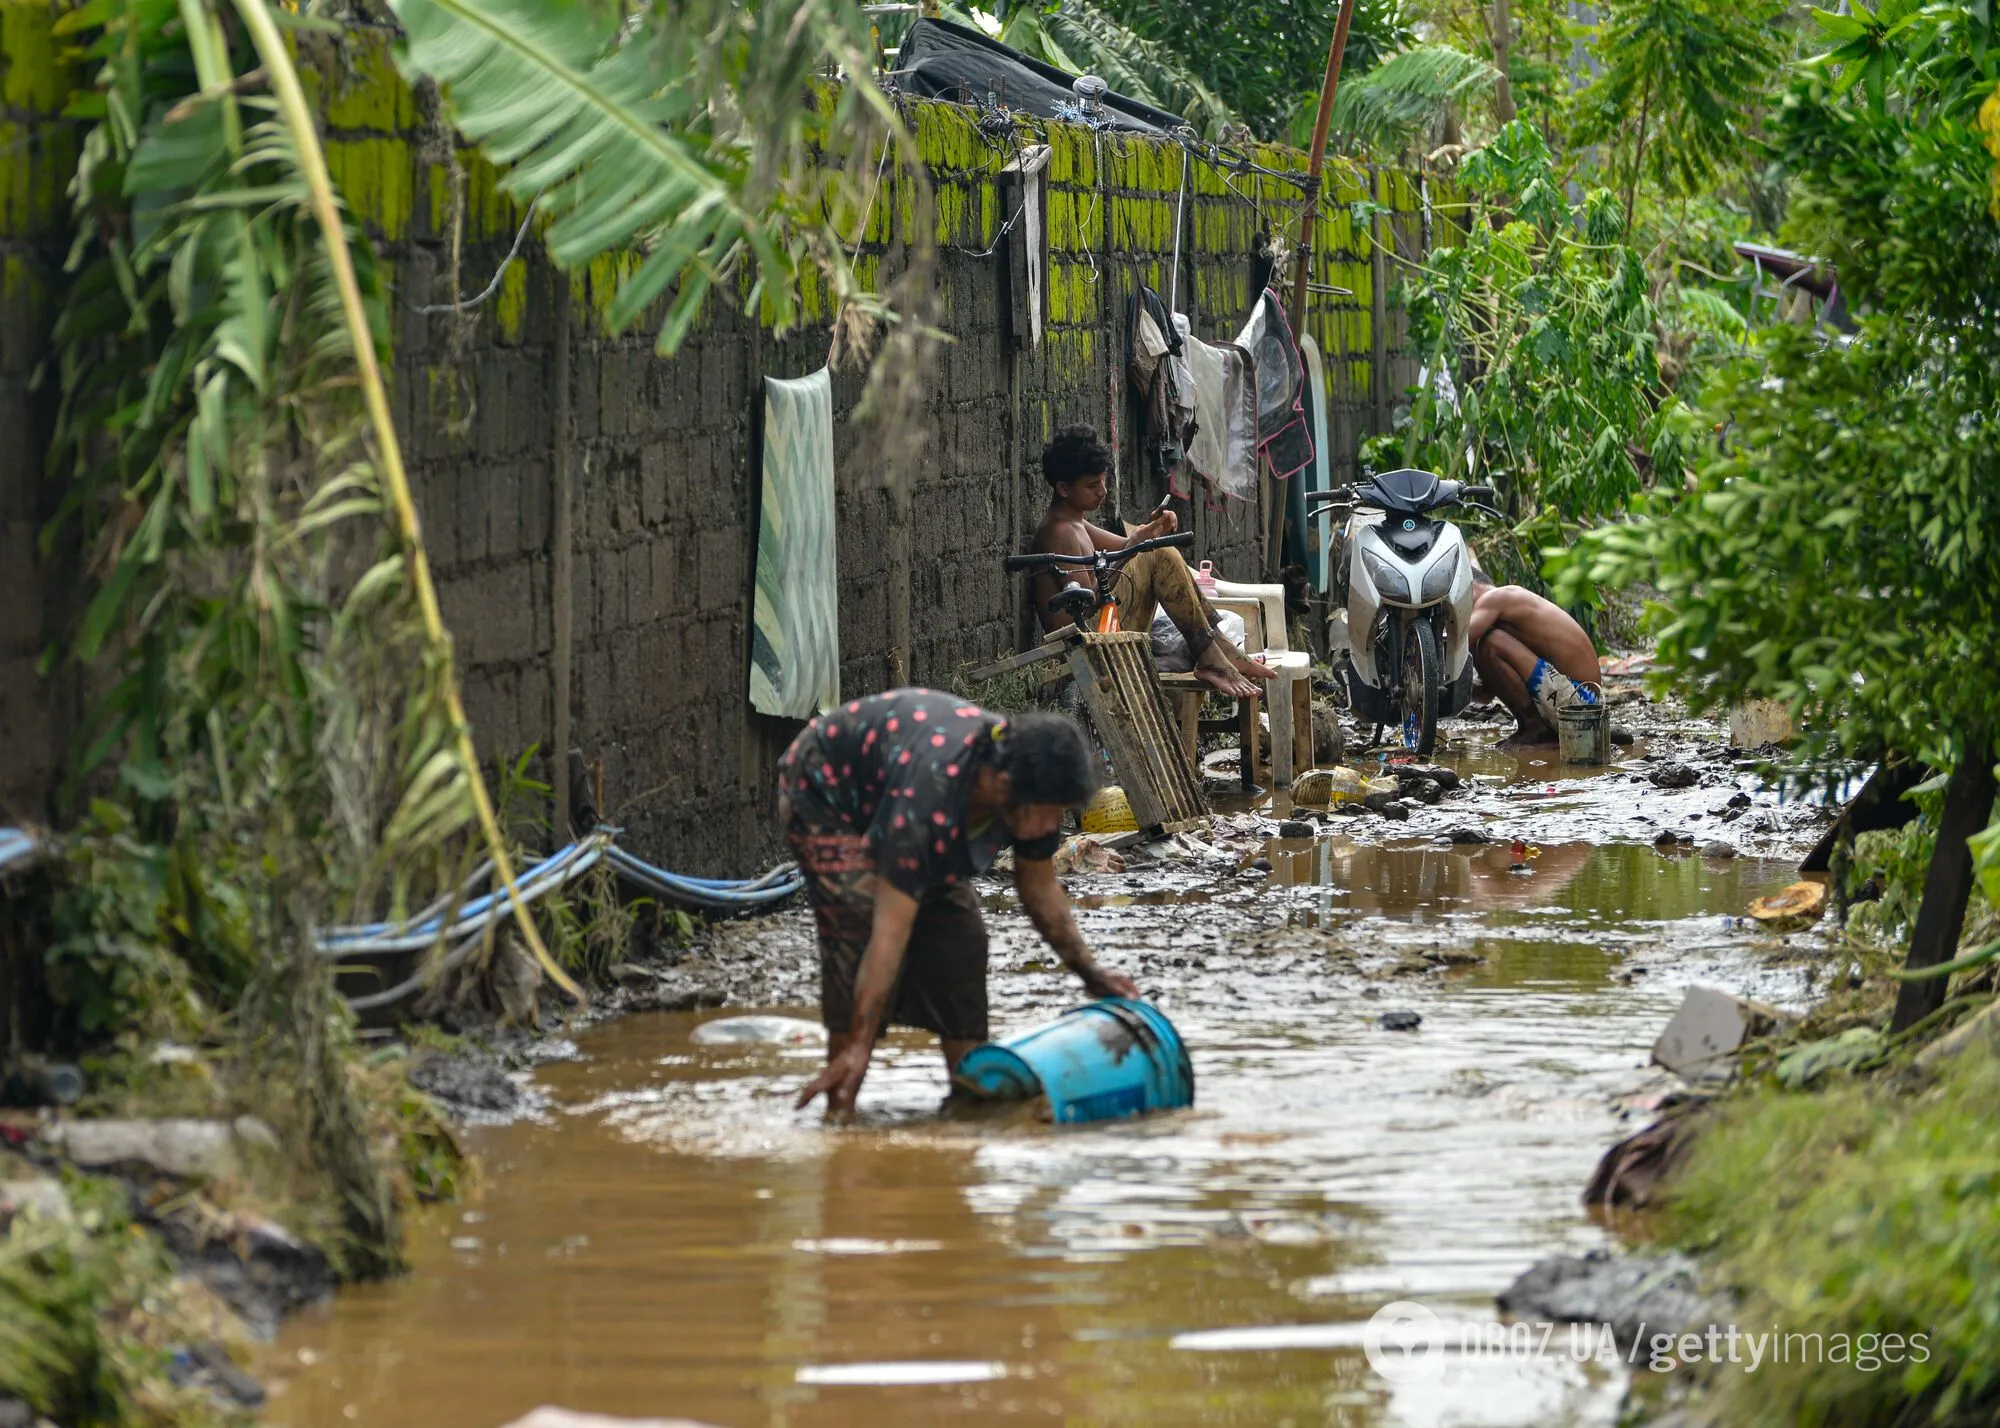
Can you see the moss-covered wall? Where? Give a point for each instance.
(663, 450)
(37, 156)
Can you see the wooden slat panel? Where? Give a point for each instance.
(1121, 685)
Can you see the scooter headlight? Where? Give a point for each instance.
(1437, 580)
(1390, 581)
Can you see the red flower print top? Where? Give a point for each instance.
(900, 767)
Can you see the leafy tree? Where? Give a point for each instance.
(1841, 550)
(1262, 56)
(1681, 81)
(1415, 96)
(1536, 328)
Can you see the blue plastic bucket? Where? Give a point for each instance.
(1112, 1058)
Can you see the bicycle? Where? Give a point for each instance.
(1081, 603)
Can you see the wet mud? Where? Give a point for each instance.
(665, 1236)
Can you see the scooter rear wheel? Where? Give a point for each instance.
(1422, 669)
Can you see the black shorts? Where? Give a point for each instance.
(942, 987)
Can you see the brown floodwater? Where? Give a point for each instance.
(669, 1238)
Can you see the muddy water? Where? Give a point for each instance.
(672, 1239)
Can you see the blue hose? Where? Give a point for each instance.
(474, 915)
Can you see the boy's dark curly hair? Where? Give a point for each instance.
(1076, 452)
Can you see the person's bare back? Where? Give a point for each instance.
(1513, 631)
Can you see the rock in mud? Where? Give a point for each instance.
(1718, 849)
(677, 990)
(1637, 1295)
(1399, 1021)
(1706, 1031)
(209, 1366)
(42, 1199)
(1621, 736)
(1395, 812)
(477, 1083)
(1470, 835)
(566, 1418)
(1675, 776)
(256, 1266)
(1295, 828)
(759, 1031)
(180, 1148)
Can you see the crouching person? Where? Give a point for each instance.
(891, 804)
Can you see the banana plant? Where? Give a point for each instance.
(685, 134)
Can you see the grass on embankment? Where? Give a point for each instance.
(1870, 1208)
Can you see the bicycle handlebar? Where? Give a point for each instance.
(1049, 559)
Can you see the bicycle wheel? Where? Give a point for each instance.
(1422, 667)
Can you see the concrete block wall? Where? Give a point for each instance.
(663, 452)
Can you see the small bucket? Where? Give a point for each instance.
(1112, 1058)
(1583, 733)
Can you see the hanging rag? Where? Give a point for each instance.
(1032, 163)
(1153, 345)
(1319, 558)
(795, 625)
(1282, 433)
(1223, 448)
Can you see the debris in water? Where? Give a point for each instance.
(1399, 1021)
(759, 1031)
(1295, 828)
(1469, 834)
(1675, 776)
(1718, 849)
(1707, 1029)
(1636, 1295)
(1084, 854)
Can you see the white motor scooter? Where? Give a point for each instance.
(1402, 578)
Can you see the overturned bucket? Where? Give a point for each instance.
(1111, 1058)
(1583, 733)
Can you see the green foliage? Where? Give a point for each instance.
(1842, 550)
(1680, 85)
(1263, 56)
(83, 1308)
(1854, 1212)
(1545, 325)
(1406, 99)
(679, 134)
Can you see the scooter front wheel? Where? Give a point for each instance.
(1423, 666)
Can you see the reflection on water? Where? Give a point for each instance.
(675, 1240)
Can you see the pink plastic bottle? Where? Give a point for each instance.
(1204, 578)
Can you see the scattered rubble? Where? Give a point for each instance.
(1708, 1029)
(1636, 1295)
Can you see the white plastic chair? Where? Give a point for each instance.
(1290, 700)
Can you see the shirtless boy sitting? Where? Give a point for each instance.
(1075, 465)
(1531, 656)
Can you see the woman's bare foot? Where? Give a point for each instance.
(1214, 668)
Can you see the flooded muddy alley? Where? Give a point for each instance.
(667, 1237)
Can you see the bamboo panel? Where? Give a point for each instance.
(1121, 686)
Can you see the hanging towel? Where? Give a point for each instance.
(795, 628)
(1282, 433)
(1224, 446)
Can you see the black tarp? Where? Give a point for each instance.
(939, 60)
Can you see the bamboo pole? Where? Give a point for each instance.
(1317, 162)
(298, 117)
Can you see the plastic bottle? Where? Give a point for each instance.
(1204, 578)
